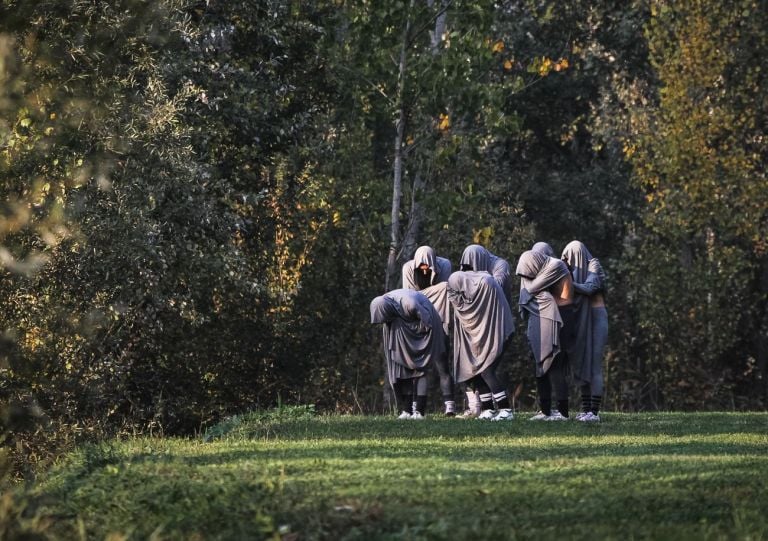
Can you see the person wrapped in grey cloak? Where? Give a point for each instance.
(483, 325)
(546, 301)
(544, 248)
(413, 338)
(586, 351)
(428, 273)
(477, 258)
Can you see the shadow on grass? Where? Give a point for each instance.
(328, 491)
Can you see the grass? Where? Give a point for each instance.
(292, 475)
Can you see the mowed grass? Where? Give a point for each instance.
(295, 476)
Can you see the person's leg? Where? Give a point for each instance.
(544, 390)
(485, 394)
(446, 385)
(473, 400)
(404, 397)
(420, 391)
(557, 375)
(497, 389)
(586, 399)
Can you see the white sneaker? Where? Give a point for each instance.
(468, 414)
(556, 416)
(416, 416)
(589, 417)
(404, 415)
(504, 414)
(580, 416)
(487, 415)
(538, 417)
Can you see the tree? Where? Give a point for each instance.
(699, 156)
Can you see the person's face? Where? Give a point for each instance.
(424, 268)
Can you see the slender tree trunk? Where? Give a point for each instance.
(415, 219)
(440, 24)
(397, 180)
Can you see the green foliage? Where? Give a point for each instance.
(195, 196)
(685, 476)
(696, 282)
(256, 423)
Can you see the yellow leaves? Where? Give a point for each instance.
(498, 46)
(483, 235)
(629, 149)
(545, 65)
(409, 140)
(444, 122)
(508, 64)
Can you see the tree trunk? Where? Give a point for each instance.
(390, 280)
(440, 24)
(416, 217)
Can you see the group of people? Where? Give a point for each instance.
(466, 317)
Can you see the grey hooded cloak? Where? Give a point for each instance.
(436, 291)
(483, 322)
(539, 272)
(544, 248)
(585, 352)
(413, 333)
(480, 259)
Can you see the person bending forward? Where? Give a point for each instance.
(483, 325)
(413, 338)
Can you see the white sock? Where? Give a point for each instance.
(473, 402)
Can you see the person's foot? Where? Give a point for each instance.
(487, 415)
(416, 416)
(556, 416)
(580, 416)
(404, 415)
(450, 414)
(504, 414)
(467, 414)
(589, 417)
(540, 416)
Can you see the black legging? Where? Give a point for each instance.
(446, 381)
(487, 381)
(407, 389)
(554, 377)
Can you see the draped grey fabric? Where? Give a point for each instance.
(436, 293)
(413, 332)
(539, 272)
(480, 259)
(440, 267)
(483, 322)
(543, 248)
(585, 352)
(438, 296)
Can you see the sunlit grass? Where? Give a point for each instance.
(641, 476)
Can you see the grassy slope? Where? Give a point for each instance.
(635, 476)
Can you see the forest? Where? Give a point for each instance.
(200, 199)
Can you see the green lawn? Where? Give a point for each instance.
(291, 475)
